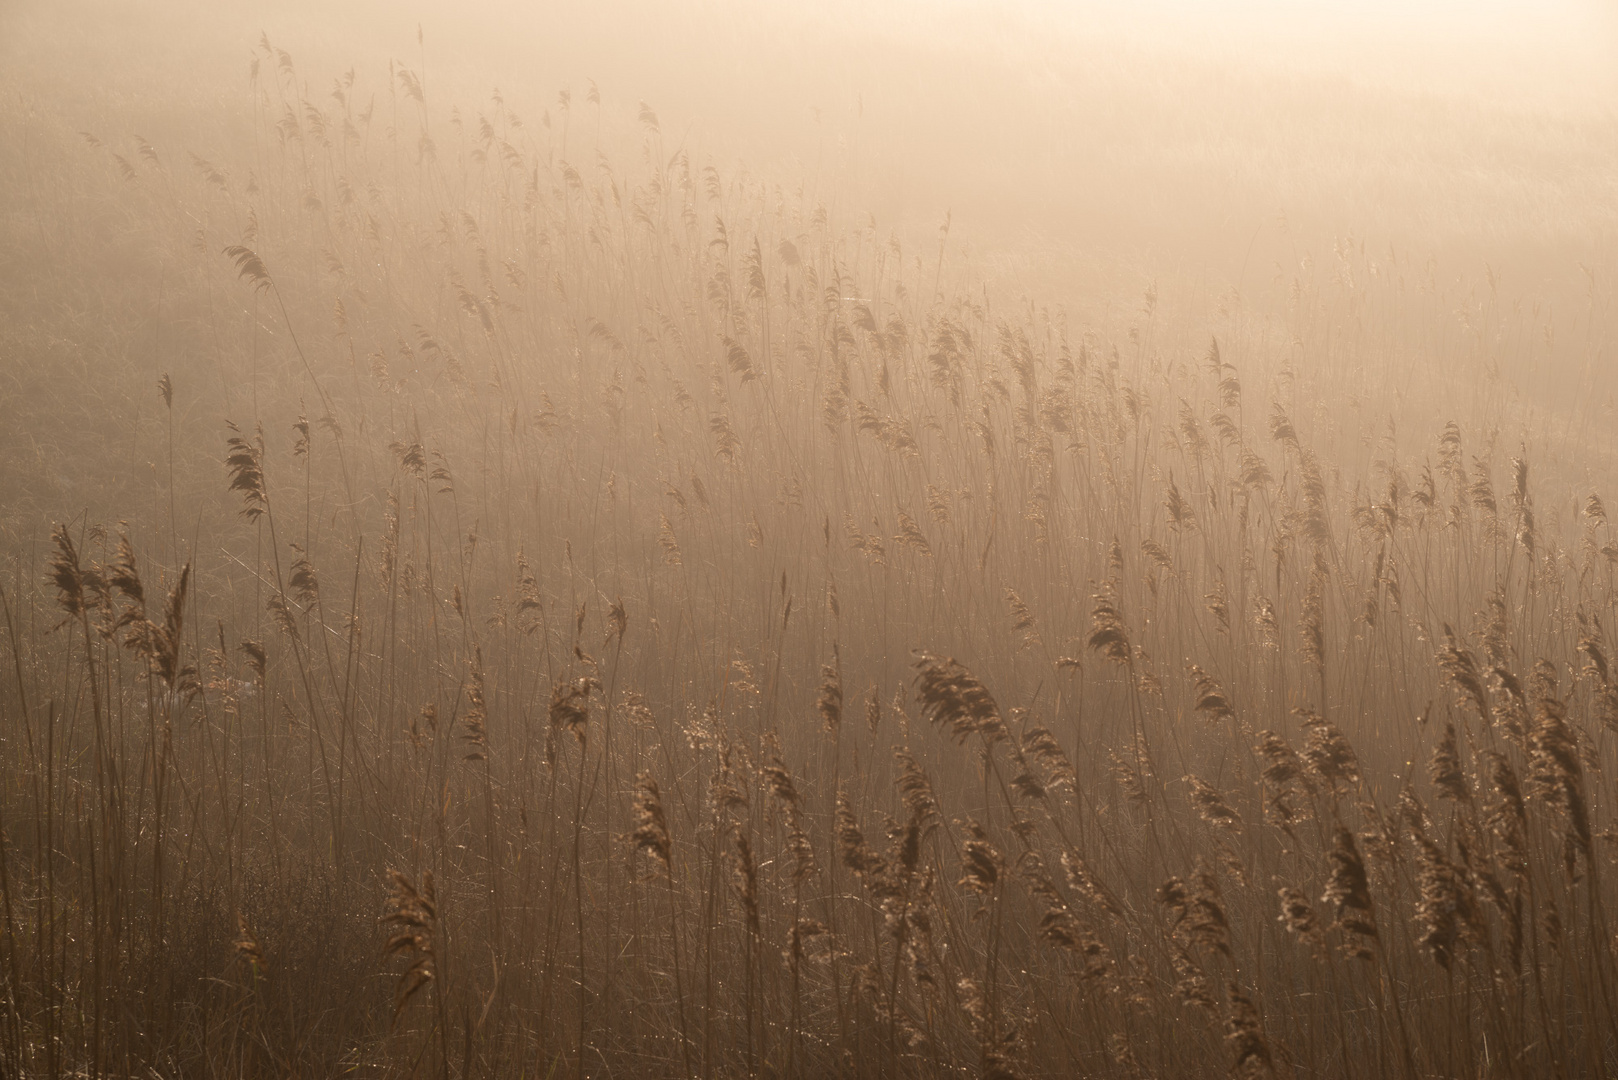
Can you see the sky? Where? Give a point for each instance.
(1061, 136)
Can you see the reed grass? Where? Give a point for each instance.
(498, 713)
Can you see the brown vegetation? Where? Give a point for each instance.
(657, 630)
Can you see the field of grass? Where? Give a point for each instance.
(499, 596)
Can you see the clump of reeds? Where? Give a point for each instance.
(951, 697)
(649, 385)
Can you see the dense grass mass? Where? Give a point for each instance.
(543, 605)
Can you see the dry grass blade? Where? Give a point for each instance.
(411, 917)
(952, 698)
(249, 266)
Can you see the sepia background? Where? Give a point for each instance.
(919, 539)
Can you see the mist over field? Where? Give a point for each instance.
(890, 540)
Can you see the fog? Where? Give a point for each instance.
(1082, 150)
(1161, 133)
(916, 539)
